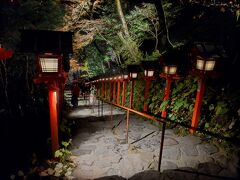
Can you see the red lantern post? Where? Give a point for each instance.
(50, 71)
(149, 70)
(166, 94)
(203, 65)
(118, 89)
(170, 75)
(133, 73)
(125, 78)
(52, 98)
(198, 103)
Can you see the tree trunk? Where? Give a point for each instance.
(122, 18)
(5, 84)
(163, 23)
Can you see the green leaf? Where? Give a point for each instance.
(164, 105)
(238, 14)
(211, 107)
(65, 144)
(58, 154)
(172, 117)
(191, 107)
(206, 125)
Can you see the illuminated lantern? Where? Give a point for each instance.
(51, 48)
(149, 68)
(170, 69)
(206, 55)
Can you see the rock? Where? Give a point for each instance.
(112, 171)
(86, 160)
(169, 132)
(79, 152)
(131, 164)
(209, 168)
(102, 163)
(83, 172)
(69, 178)
(211, 149)
(102, 150)
(84, 149)
(189, 163)
(207, 149)
(135, 136)
(221, 160)
(146, 175)
(178, 175)
(50, 171)
(189, 150)
(168, 141)
(43, 174)
(109, 140)
(188, 140)
(110, 178)
(165, 165)
(171, 153)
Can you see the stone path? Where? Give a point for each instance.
(99, 150)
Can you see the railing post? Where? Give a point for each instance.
(131, 94)
(127, 126)
(146, 94)
(166, 94)
(161, 146)
(114, 91)
(118, 92)
(124, 92)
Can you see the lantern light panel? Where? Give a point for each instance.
(133, 75)
(49, 64)
(207, 65)
(148, 73)
(125, 76)
(170, 69)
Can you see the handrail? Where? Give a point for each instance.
(229, 139)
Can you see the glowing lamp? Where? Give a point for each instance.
(125, 76)
(205, 64)
(148, 73)
(133, 75)
(49, 64)
(150, 68)
(170, 69)
(133, 71)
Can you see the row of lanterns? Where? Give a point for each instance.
(203, 64)
(171, 70)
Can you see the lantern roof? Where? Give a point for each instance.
(45, 41)
(133, 68)
(208, 50)
(124, 71)
(150, 65)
